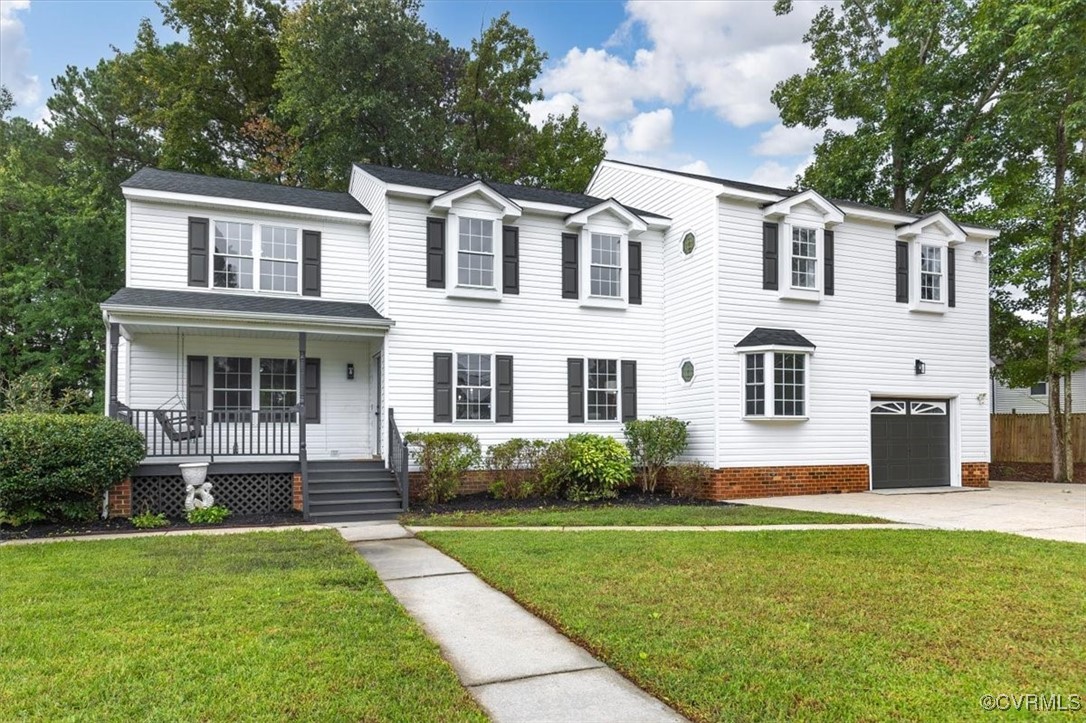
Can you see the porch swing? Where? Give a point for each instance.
(178, 422)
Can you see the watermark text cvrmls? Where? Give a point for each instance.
(1054, 702)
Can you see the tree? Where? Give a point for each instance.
(566, 153)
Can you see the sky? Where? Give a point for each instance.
(682, 85)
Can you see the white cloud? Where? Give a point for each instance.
(781, 140)
(773, 173)
(699, 167)
(649, 132)
(15, 72)
(560, 104)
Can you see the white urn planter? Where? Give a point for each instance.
(197, 488)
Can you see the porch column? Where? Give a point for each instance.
(302, 454)
(114, 346)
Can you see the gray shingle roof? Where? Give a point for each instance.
(774, 337)
(153, 179)
(440, 182)
(246, 303)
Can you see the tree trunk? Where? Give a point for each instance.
(1058, 421)
(898, 165)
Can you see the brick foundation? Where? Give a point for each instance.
(974, 474)
(476, 480)
(296, 497)
(741, 482)
(120, 499)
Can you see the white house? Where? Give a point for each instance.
(290, 336)
(1034, 398)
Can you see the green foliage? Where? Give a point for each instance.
(214, 515)
(35, 392)
(654, 444)
(57, 466)
(515, 465)
(150, 520)
(598, 466)
(443, 457)
(687, 480)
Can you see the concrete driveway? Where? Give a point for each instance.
(1033, 509)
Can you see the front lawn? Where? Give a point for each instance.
(815, 625)
(625, 515)
(261, 626)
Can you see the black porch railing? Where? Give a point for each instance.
(235, 433)
(398, 460)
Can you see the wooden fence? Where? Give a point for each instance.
(1025, 438)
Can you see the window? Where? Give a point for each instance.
(475, 260)
(233, 255)
(602, 390)
(278, 258)
(278, 388)
(1040, 389)
(931, 273)
(689, 241)
(473, 387)
(804, 257)
(232, 388)
(686, 371)
(605, 277)
(785, 396)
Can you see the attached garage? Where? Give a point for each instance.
(910, 443)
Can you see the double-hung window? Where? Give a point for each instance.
(605, 274)
(804, 257)
(278, 388)
(474, 387)
(602, 389)
(931, 273)
(237, 260)
(233, 255)
(232, 388)
(782, 395)
(475, 256)
(279, 258)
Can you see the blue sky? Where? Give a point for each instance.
(678, 84)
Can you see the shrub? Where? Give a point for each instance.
(598, 466)
(654, 444)
(150, 520)
(687, 479)
(58, 466)
(214, 515)
(554, 471)
(443, 458)
(515, 465)
(38, 392)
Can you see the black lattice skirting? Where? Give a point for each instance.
(243, 494)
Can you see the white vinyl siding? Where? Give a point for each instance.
(1022, 400)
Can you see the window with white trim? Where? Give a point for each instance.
(605, 271)
(784, 395)
(602, 390)
(931, 273)
(278, 388)
(279, 258)
(1040, 389)
(475, 255)
(474, 387)
(232, 388)
(238, 261)
(233, 255)
(804, 257)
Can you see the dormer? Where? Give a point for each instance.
(926, 262)
(601, 261)
(798, 236)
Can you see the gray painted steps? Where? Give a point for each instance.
(345, 491)
(328, 517)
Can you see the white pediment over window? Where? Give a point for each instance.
(508, 209)
(831, 215)
(634, 223)
(938, 223)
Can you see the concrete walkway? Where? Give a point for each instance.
(515, 665)
(668, 528)
(1033, 509)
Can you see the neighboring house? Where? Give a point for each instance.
(291, 335)
(1034, 399)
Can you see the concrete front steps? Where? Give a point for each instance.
(352, 490)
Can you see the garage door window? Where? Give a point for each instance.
(779, 394)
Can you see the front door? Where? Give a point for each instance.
(910, 443)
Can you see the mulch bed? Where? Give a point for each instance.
(483, 502)
(120, 525)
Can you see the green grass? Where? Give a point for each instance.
(813, 625)
(623, 515)
(263, 626)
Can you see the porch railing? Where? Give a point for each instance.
(398, 458)
(242, 433)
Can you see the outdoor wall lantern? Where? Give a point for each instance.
(350, 372)
(920, 367)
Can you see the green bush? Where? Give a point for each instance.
(654, 444)
(598, 466)
(443, 458)
(214, 515)
(515, 465)
(554, 471)
(687, 480)
(58, 466)
(149, 520)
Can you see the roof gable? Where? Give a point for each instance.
(943, 223)
(445, 201)
(633, 222)
(831, 214)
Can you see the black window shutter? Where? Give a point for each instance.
(510, 260)
(635, 272)
(199, 249)
(313, 391)
(435, 253)
(443, 387)
(902, 272)
(629, 390)
(569, 266)
(770, 255)
(197, 384)
(311, 263)
(575, 389)
(828, 251)
(503, 366)
(951, 273)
